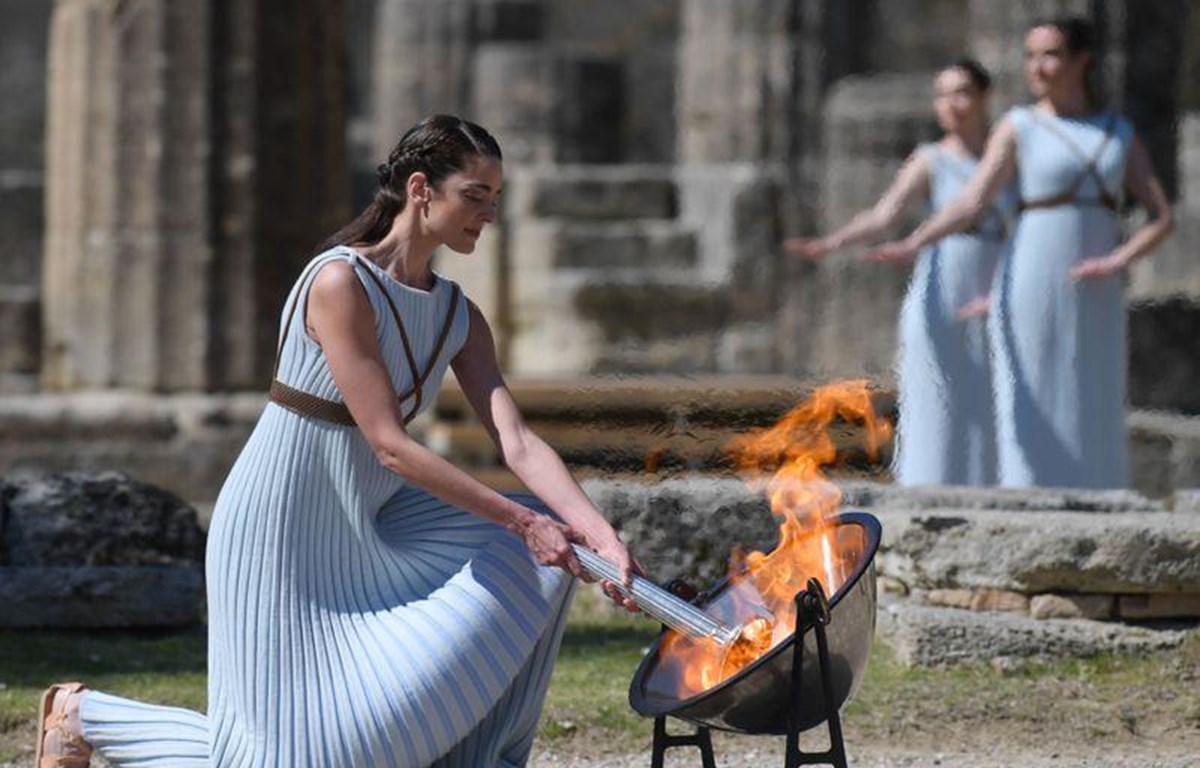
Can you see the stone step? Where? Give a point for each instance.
(932, 636)
(636, 309)
(1041, 551)
(736, 402)
(628, 448)
(630, 245)
(594, 192)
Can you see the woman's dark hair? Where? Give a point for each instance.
(1079, 35)
(975, 71)
(438, 146)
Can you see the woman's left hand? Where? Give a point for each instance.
(898, 252)
(611, 548)
(1101, 266)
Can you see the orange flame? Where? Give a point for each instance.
(785, 461)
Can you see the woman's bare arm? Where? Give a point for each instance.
(534, 462)
(1143, 184)
(995, 169)
(911, 184)
(343, 323)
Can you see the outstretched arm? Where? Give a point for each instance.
(343, 323)
(995, 169)
(537, 465)
(911, 184)
(1143, 184)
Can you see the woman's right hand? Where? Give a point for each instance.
(812, 248)
(549, 541)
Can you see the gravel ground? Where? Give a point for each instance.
(745, 754)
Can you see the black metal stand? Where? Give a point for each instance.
(812, 613)
(701, 739)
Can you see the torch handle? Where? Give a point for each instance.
(676, 613)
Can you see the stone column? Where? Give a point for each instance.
(195, 154)
(22, 123)
(737, 81)
(425, 57)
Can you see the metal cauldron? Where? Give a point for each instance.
(758, 699)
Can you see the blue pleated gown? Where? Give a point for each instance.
(1059, 346)
(354, 620)
(945, 433)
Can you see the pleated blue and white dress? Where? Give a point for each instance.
(1059, 345)
(945, 433)
(354, 620)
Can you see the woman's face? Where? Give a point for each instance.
(957, 101)
(464, 203)
(1050, 67)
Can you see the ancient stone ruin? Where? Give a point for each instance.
(171, 165)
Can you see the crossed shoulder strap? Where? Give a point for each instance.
(336, 412)
(1106, 198)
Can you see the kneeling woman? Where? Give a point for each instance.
(370, 604)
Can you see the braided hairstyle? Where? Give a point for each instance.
(437, 146)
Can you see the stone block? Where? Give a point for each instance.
(931, 636)
(1096, 607)
(643, 310)
(105, 519)
(978, 599)
(1159, 606)
(85, 597)
(97, 550)
(1055, 552)
(659, 246)
(896, 498)
(678, 355)
(589, 192)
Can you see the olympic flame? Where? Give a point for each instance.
(785, 461)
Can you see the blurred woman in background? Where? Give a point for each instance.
(1058, 325)
(945, 434)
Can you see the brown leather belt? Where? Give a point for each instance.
(1104, 201)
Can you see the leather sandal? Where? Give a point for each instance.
(73, 751)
